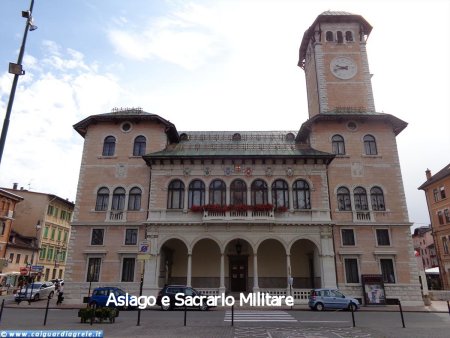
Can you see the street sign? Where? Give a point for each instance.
(144, 247)
(143, 257)
(37, 268)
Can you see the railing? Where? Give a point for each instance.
(116, 215)
(6, 213)
(362, 216)
(237, 214)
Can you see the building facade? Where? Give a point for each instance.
(424, 247)
(45, 217)
(437, 190)
(280, 212)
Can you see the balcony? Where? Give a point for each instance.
(362, 216)
(116, 216)
(8, 214)
(238, 215)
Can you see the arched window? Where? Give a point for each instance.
(340, 37)
(301, 193)
(175, 197)
(370, 145)
(139, 146)
(217, 192)
(280, 194)
(377, 199)
(134, 199)
(360, 197)
(109, 146)
(238, 192)
(259, 192)
(102, 199)
(329, 36)
(196, 193)
(118, 200)
(348, 36)
(338, 145)
(343, 198)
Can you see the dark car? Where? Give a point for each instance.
(100, 297)
(185, 291)
(320, 299)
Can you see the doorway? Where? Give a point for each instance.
(238, 273)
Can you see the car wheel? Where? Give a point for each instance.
(352, 306)
(319, 307)
(51, 295)
(36, 296)
(166, 307)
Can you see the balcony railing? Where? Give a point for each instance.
(6, 213)
(116, 215)
(237, 214)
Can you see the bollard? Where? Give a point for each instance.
(232, 315)
(1, 309)
(401, 313)
(139, 317)
(94, 307)
(352, 308)
(185, 314)
(46, 310)
(448, 306)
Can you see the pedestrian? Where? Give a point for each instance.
(60, 294)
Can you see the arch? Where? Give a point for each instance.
(238, 192)
(348, 36)
(266, 237)
(280, 194)
(259, 192)
(196, 193)
(338, 145)
(173, 258)
(209, 236)
(273, 273)
(343, 199)
(306, 264)
(377, 199)
(301, 194)
(217, 192)
(370, 145)
(175, 194)
(134, 198)
(118, 199)
(206, 275)
(360, 199)
(102, 200)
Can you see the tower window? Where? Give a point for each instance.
(338, 145)
(329, 36)
(175, 199)
(109, 146)
(360, 196)
(340, 37)
(348, 36)
(370, 145)
(343, 198)
(139, 146)
(377, 197)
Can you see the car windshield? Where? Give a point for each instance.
(32, 286)
(120, 292)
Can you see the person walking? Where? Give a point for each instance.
(60, 294)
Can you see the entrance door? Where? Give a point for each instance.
(238, 273)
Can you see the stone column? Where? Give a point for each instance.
(255, 273)
(327, 258)
(189, 270)
(222, 274)
(289, 273)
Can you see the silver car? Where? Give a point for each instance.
(35, 291)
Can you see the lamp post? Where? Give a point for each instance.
(16, 69)
(36, 244)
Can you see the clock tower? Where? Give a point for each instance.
(334, 57)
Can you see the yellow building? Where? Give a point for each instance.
(46, 217)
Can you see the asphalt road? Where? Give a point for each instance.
(247, 323)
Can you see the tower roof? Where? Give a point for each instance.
(331, 17)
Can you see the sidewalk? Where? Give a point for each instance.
(436, 306)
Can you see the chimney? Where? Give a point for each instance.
(428, 173)
(15, 186)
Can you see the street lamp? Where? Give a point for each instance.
(36, 244)
(16, 69)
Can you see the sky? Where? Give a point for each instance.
(209, 65)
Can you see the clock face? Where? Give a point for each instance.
(343, 67)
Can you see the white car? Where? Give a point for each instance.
(35, 291)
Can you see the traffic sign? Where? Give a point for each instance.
(37, 268)
(144, 247)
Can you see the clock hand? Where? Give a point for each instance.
(342, 67)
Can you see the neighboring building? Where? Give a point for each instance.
(424, 248)
(8, 203)
(437, 190)
(247, 211)
(19, 252)
(46, 217)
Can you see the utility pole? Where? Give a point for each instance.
(17, 70)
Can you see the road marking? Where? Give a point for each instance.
(324, 321)
(259, 316)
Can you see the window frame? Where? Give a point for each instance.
(129, 273)
(102, 197)
(135, 199)
(377, 199)
(97, 269)
(173, 192)
(126, 236)
(91, 241)
(259, 192)
(218, 192)
(139, 145)
(342, 198)
(378, 237)
(238, 191)
(280, 193)
(196, 193)
(305, 191)
(360, 199)
(109, 146)
(118, 199)
(370, 145)
(394, 275)
(347, 272)
(343, 243)
(338, 144)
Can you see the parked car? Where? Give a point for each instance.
(172, 290)
(100, 296)
(35, 291)
(320, 299)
